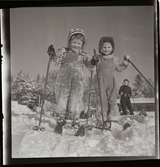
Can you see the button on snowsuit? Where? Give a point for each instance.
(108, 88)
(69, 83)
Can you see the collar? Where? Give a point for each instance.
(110, 57)
(79, 52)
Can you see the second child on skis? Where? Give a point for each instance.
(107, 63)
(69, 83)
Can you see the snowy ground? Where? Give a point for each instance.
(138, 140)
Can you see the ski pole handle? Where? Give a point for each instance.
(94, 51)
(51, 51)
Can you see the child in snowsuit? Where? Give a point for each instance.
(125, 92)
(69, 87)
(107, 63)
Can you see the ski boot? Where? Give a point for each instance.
(83, 115)
(107, 125)
(99, 125)
(75, 124)
(143, 112)
(79, 129)
(127, 125)
(61, 121)
(37, 128)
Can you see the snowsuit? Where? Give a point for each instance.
(108, 88)
(69, 83)
(125, 99)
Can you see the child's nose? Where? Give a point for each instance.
(76, 45)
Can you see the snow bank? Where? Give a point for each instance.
(138, 140)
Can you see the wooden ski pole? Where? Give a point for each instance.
(141, 74)
(50, 56)
(89, 96)
(98, 79)
(44, 94)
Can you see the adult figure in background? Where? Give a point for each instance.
(125, 93)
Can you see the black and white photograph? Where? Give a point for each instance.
(82, 82)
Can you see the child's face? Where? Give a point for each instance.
(75, 45)
(106, 48)
(125, 82)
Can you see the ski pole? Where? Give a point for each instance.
(89, 96)
(44, 90)
(42, 128)
(50, 56)
(99, 90)
(140, 73)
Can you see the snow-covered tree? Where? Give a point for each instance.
(21, 86)
(142, 88)
(38, 78)
(148, 90)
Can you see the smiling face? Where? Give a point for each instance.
(76, 43)
(106, 48)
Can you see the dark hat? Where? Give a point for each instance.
(106, 39)
(126, 80)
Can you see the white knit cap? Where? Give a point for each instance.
(75, 31)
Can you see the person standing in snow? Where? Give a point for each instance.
(125, 93)
(69, 83)
(107, 64)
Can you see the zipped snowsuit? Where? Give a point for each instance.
(108, 87)
(69, 87)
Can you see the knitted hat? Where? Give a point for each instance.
(106, 39)
(75, 31)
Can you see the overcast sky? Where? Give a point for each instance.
(34, 29)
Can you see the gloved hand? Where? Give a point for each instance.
(121, 93)
(94, 60)
(51, 51)
(127, 58)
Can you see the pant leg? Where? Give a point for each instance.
(129, 105)
(113, 112)
(62, 90)
(104, 101)
(75, 100)
(123, 105)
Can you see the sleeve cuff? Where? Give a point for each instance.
(126, 63)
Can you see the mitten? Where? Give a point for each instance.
(51, 51)
(127, 58)
(94, 60)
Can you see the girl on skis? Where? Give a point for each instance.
(107, 63)
(69, 83)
